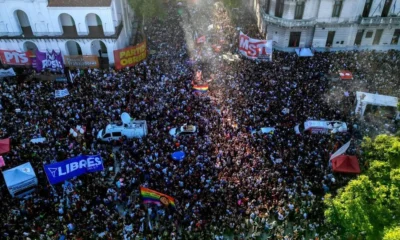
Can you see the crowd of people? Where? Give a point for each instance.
(234, 181)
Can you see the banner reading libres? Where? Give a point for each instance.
(73, 167)
(130, 56)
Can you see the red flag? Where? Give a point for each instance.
(201, 39)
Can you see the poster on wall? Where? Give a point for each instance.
(49, 61)
(11, 57)
(80, 61)
(130, 56)
(254, 48)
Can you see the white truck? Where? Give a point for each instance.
(324, 127)
(130, 129)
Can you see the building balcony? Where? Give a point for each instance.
(380, 20)
(69, 32)
(283, 22)
(311, 22)
(337, 21)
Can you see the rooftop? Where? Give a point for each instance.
(79, 3)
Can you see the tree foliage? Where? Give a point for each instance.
(232, 3)
(384, 147)
(392, 234)
(148, 8)
(371, 202)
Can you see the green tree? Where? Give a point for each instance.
(392, 234)
(370, 203)
(147, 9)
(384, 147)
(232, 3)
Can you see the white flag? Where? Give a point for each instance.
(61, 93)
(341, 150)
(150, 226)
(7, 73)
(141, 229)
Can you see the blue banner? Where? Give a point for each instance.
(73, 167)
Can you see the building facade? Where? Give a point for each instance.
(340, 24)
(72, 27)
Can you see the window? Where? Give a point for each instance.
(298, 14)
(369, 34)
(107, 135)
(301, 128)
(396, 36)
(359, 35)
(280, 4)
(294, 39)
(337, 8)
(116, 134)
(377, 38)
(386, 8)
(329, 39)
(185, 133)
(98, 20)
(367, 8)
(267, 6)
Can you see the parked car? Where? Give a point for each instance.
(183, 130)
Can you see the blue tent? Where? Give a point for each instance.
(19, 178)
(178, 156)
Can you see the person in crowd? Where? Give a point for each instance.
(232, 181)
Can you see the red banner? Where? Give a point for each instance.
(10, 57)
(130, 56)
(255, 48)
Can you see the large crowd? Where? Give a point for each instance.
(231, 183)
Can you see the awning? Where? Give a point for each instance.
(346, 164)
(304, 52)
(5, 145)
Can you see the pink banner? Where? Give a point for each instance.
(2, 163)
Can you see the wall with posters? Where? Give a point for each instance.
(42, 26)
(14, 58)
(87, 61)
(130, 56)
(49, 60)
(61, 46)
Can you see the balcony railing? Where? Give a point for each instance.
(338, 21)
(289, 22)
(380, 20)
(283, 22)
(68, 33)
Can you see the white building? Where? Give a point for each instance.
(74, 27)
(339, 24)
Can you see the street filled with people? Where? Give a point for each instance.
(234, 182)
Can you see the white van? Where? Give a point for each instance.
(129, 129)
(325, 127)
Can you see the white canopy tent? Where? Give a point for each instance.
(20, 180)
(363, 99)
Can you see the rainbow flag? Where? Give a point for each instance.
(154, 197)
(200, 87)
